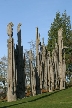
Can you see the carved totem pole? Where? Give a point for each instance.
(11, 94)
(62, 65)
(20, 66)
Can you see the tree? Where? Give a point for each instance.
(3, 70)
(62, 21)
(33, 48)
(3, 76)
(27, 67)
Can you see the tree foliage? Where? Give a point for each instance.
(27, 65)
(3, 69)
(61, 21)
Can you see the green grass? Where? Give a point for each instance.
(57, 99)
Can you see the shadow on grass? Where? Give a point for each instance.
(12, 105)
(44, 96)
(31, 100)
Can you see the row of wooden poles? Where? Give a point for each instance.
(48, 72)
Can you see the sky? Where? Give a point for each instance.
(32, 14)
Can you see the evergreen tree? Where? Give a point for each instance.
(62, 21)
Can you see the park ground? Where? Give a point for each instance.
(56, 99)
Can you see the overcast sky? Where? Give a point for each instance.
(32, 14)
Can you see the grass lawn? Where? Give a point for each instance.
(57, 99)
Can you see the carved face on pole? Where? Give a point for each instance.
(10, 29)
(60, 32)
(18, 27)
